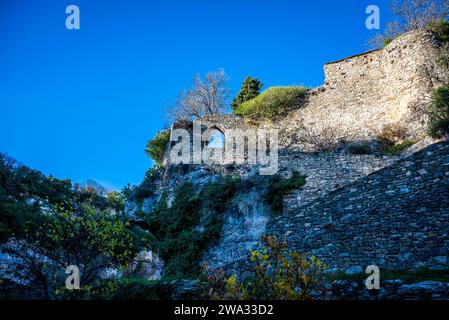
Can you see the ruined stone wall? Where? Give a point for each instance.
(397, 217)
(246, 221)
(362, 94)
(326, 172)
(346, 212)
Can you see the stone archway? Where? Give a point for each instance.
(215, 138)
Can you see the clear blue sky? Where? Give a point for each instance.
(81, 104)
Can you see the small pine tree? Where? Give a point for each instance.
(250, 89)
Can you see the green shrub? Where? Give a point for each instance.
(443, 60)
(439, 113)
(278, 274)
(393, 139)
(388, 40)
(279, 187)
(441, 29)
(153, 174)
(398, 148)
(156, 147)
(249, 90)
(271, 103)
(190, 225)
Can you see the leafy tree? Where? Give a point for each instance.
(91, 239)
(249, 90)
(117, 200)
(23, 192)
(46, 225)
(156, 147)
(87, 238)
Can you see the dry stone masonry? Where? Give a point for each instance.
(397, 217)
(362, 94)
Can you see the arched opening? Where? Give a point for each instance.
(216, 139)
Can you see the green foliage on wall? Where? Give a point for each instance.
(271, 103)
(439, 113)
(278, 187)
(439, 108)
(441, 30)
(156, 147)
(398, 148)
(249, 90)
(192, 223)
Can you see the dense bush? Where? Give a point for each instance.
(278, 274)
(439, 113)
(156, 147)
(439, 108)
(153, 174)
(398, 148)
(441, 30)
(190, 225)
(278, 187)
(271, 103)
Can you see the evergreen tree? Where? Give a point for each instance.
(250, 89)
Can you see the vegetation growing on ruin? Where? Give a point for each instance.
(441, 30)
(249, 90)
(439, 107)
(271, 103)
(279, 274)
(278, 187)
(191, 224)
(439, 113)
(393, 139)
(398, 148)
(156, 147)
